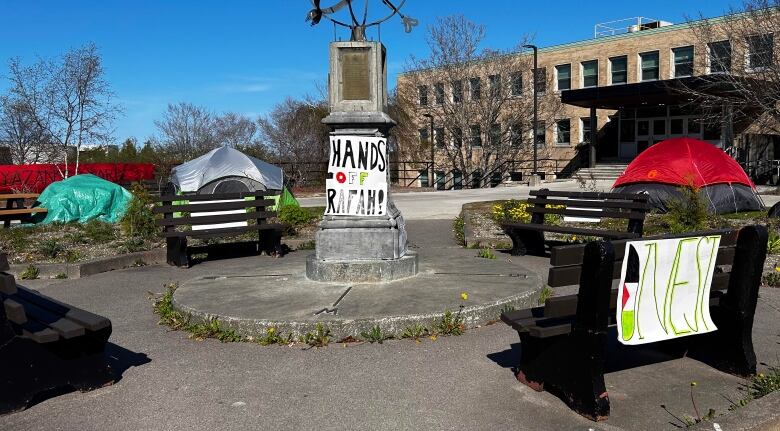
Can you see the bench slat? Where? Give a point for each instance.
(91, 321)
(18, 211)
(572, 254)
(591, 195)
(216, 206)
(216, 233)
(634, 215)
(559, 311)
(572, 230)
(14, 311)
(591, 203)
(214, 219)
(214, 196)
(39, 332)
(570, 275)
(58, 322)
(7, 284)
(6, 196)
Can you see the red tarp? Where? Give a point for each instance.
(682, 161)
(35, 178)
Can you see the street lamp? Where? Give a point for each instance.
(430, 140)
(533, 181)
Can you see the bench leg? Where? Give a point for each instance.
(526, 242)
(570, 367)
(736, 311)
(270, 242)
(177, 251)
(30, 368)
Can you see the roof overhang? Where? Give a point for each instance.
(651, 93)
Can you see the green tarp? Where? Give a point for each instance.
(282, 200)
(83, 198)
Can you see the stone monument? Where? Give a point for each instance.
(362, 237)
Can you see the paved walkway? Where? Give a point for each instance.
(171, 383)
(446, 204)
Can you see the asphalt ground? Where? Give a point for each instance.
(170, 382)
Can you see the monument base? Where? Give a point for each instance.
(361, 271)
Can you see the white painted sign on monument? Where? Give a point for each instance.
(358, 183)
(664, 289)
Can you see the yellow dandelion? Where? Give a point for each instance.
(433, 338)
(464, 296)
(694, 383)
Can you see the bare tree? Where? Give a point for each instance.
(19, 130)
(293, 132)
(187, 131)
(235, 130)
(68, 98)
(480, 100)
(741, 75)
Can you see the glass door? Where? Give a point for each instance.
(650, 131)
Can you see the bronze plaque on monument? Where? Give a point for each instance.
(355, 80)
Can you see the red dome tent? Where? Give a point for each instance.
(661, 169)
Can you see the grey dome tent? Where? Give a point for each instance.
(226, 170)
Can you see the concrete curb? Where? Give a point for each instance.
(95, 266)
(473, 316)
(762, 414)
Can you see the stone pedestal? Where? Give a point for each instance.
(354, 248)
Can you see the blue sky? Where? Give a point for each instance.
(247, 55)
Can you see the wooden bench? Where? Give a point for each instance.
(46, 344)
(15, 208)
(564, 341)
(529, 237)
(189, 205)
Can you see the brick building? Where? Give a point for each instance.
(624, 81)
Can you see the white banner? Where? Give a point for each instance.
(664, 290)
(358, 187)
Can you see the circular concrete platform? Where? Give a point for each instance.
(276, 293)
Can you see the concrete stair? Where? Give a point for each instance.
(602, 171)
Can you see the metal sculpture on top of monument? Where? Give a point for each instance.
(362, 237)
(357, 27)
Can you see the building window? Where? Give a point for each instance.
(438, 137)
(516, 135)
(424, 178)
(495, 85)
(457, 137)
(517, 84)
(438, 93)
(720, 56)
(649, 63)
(590, 73)
(541, 80)
(618, 69)
(563, 132)
(476, 136)
(683, 61)
(541, 135)
(563, 77)
(422, 92)
(495, 135)
(760, 51)
(476, 88)
(457, 92)
(585, 129)
(423, 135)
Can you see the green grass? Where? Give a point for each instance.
(458, 227)
(30, 273)
(486, 253)
(374, 335)
(545, 294)
(320, 337)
